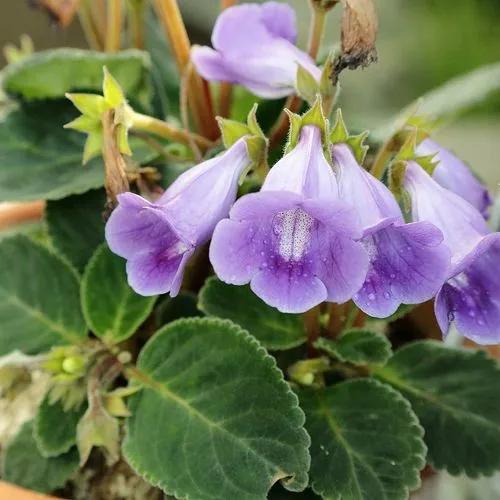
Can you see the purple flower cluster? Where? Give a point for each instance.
(321, 228)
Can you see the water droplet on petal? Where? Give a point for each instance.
(472, 313)
(480, 322)
(387, 295)
(392, 276)
(371, 296)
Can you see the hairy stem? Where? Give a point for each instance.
(113, 26)
(383, 156)
(199, 95)
(225, 88)
(162, 129)
(316, 30)
(294, 102)
(137, 9)
(90, 30)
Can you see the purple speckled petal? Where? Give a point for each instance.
(255, 44)
(158, 272)
(304, 170)
(471, 299)
(462, 225)
(295, 252)
(454, 175)
(374, 202)
(408, 265)
(289, 289)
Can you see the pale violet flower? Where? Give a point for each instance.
(157, 239)
(294, 241)
(254, 46)
(471, 296)
(408, 262)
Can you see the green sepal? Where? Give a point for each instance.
(326, 87)
(97, 428)
(340, 134)
(232, 131)
(313, 116)
(256, 141)
(92, 107)
(307, 87)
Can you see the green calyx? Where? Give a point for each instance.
(256, 141)
(313, 116)
(340, 134)
(308, 88)
(93, 107)
(408, 153)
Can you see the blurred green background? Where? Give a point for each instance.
(421, 44)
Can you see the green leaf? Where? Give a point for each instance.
(215, 418)
(357, 346)
(39, 298)
(366, 441)
(54, 429)
(76, 225)
(25, 466)
(111, 308)
(41, 160)
(454, 393)
(274, 329)
(50, 74)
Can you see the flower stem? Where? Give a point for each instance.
(167, 131)
(383, 156)
(294, 102)
(90, 31)
(199, 94)
(316, 30)
(136, 9)
(225, 88)
(113, 26)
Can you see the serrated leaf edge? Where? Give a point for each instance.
(420, 455)
(295, 410)
(201, 304)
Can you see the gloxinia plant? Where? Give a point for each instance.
(249, 303)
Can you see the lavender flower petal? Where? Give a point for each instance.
(157, 239)
(408, 265)
(304, 170)
(254, 46)
(471, 295)
(294, 252)
(454, 175)
(374, 202)
(472, 298)
(462, 225)
(408, 262)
